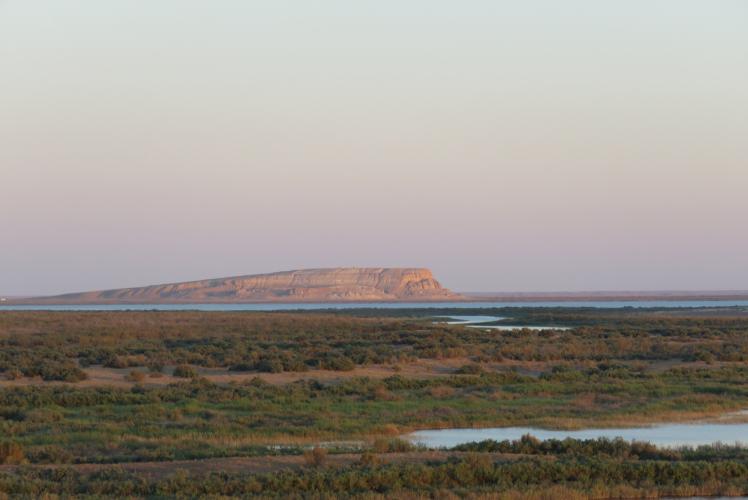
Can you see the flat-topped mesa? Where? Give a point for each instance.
(351, 284)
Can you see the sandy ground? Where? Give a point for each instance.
(259, 465)
(99, 376)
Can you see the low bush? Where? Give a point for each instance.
(135, 376)
(315, 457)
(185, 371)
(11, 454)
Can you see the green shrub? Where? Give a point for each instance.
(50, 454)
(185, 371)
(62, 372)
(470, 369)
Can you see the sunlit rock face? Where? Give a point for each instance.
(306, 285)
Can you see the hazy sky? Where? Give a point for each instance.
(508, 145)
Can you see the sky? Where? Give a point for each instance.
(508, 146)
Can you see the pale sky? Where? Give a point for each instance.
(509, 146)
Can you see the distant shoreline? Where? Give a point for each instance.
(623, 296)
(469, 297)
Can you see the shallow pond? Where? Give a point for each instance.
(469, 320)
(478, 322)
(670, 435)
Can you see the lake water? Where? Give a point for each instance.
(469, 320)
(666, 435)
(477, 322)
(518, 327)
(373, 305)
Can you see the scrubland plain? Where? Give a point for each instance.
(316, 404)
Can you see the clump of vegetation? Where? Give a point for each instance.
(392, 446)
(368, 459)
(50, 454)
(470, 369)
(11, 454)
(155, 369)
(185, 371)
(441, 391)
(135, 376)
(315, 457)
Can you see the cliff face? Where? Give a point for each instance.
(308, 285)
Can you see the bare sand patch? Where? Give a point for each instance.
(100, 376)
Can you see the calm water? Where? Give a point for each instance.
(670, 435)
(469, 320)
(518, 327)
(376, 305)
(477, 322)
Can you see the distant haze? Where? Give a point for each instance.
(508, 146)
